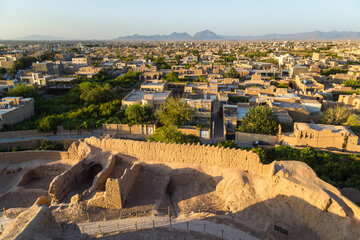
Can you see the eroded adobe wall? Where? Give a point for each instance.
(127, 181)
(116, 190)
(101, 177)
(62, 184)
(181, 153)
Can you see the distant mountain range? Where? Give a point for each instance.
(39, 38)
(209, 35)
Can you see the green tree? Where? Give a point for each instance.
(171, 134)
(330, 71)
(260, 119)
(22, 63)
(352, 83)
(127, 80)
(49, 55)
(227, 144)
(283, 85)
(159, 60)
(176, 112)
(3, 70)
(337, 115)
(95, 93)
(177, 58)
(231, 73)
(136, 114)
(172, 77)
(48, 124)
(353, 122)
(25, 91)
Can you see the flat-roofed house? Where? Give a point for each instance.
(156, 100)
(15, 109)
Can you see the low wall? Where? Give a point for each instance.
(126, 129)
(180, 153)
(252, 137)
(190, 131)
(24, 156)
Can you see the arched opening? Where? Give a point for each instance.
(94, 169)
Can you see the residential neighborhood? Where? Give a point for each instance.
(300, 82)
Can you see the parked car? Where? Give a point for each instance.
(260, 143)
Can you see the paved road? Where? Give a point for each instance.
(51, 137)
(132, 224)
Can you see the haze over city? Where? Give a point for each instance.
(110, 19)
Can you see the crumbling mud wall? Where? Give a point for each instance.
(180, 153)
(116, 190)
(62, 184)
(100, 179)
(127, 180)
(25, 156)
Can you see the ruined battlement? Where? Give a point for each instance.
(176, 153)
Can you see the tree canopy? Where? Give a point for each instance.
(95, 94)
(231, 73)
(330, 71)
(136, 114)
(336, 115)
(171, 134)
(176, 112)
(260, 119)
(172, 77)
(26, 91)
(127, 80)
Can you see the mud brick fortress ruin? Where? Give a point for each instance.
(99, 178)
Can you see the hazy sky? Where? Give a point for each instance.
(106, 19)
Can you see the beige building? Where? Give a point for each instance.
(203, 88)
(81, 61)
(7, 61)
(89, 71)
(318, 56)
(354, 71)
(203, 109)
(296, 70)
(323, 136)
(37, 79)
(307, 84)
(15, 109)
(154, 85)
(156, 100)
(352, 100)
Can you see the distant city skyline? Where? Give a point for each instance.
(110, 19)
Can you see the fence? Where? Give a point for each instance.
(98, 221)
(5, 219)
(186, 225)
